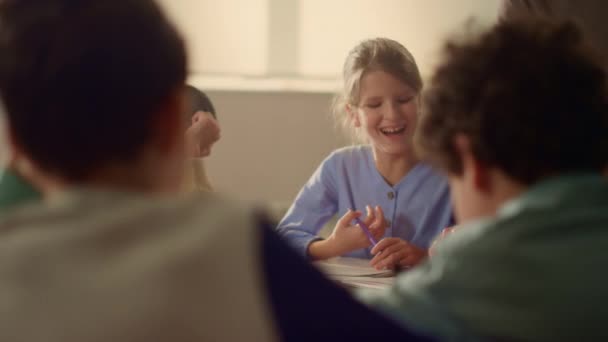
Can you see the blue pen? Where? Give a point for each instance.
(366, 231)
(358, 220)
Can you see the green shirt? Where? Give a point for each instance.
(14, 190)
(535, 272)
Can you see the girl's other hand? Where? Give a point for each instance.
(348, 237)
(396, 253)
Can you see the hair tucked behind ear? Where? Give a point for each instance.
(371, 55)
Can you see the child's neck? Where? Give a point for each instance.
(394, 167)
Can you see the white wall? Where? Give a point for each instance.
(223, 36)
(329, 29)
(312, 37)
(271, 143)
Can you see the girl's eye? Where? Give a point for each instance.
(404, 100)
(373, 105)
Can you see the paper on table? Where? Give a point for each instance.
(356, 273)
(366, 282)
(351, 267)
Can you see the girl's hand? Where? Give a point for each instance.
(347, 237)
(395, 253)
(201, 135)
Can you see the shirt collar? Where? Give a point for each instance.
(558, 189)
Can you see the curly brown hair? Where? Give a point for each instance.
(530, 95)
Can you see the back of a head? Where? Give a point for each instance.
(82, 80)
(531, 96)
(588, 14)
(198, 102)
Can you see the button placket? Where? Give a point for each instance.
(389, 215)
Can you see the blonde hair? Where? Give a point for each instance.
(372, 55)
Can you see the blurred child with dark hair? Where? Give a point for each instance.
(203, 131)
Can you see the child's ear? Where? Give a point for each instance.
(11, 150)
(353, 115)
(475, 173)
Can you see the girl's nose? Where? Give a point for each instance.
(392, 111)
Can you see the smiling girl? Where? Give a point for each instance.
(406, 202)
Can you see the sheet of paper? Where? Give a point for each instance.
(365, 282)
(350, 267)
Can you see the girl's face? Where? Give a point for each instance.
(386, 113)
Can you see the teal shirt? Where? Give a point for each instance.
(14, 190)
(535, 272)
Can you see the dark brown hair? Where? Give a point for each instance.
(529, 94)
(198, 101)
(82, 80)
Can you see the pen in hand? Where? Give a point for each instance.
(366, 230)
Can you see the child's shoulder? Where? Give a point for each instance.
(350, 153)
